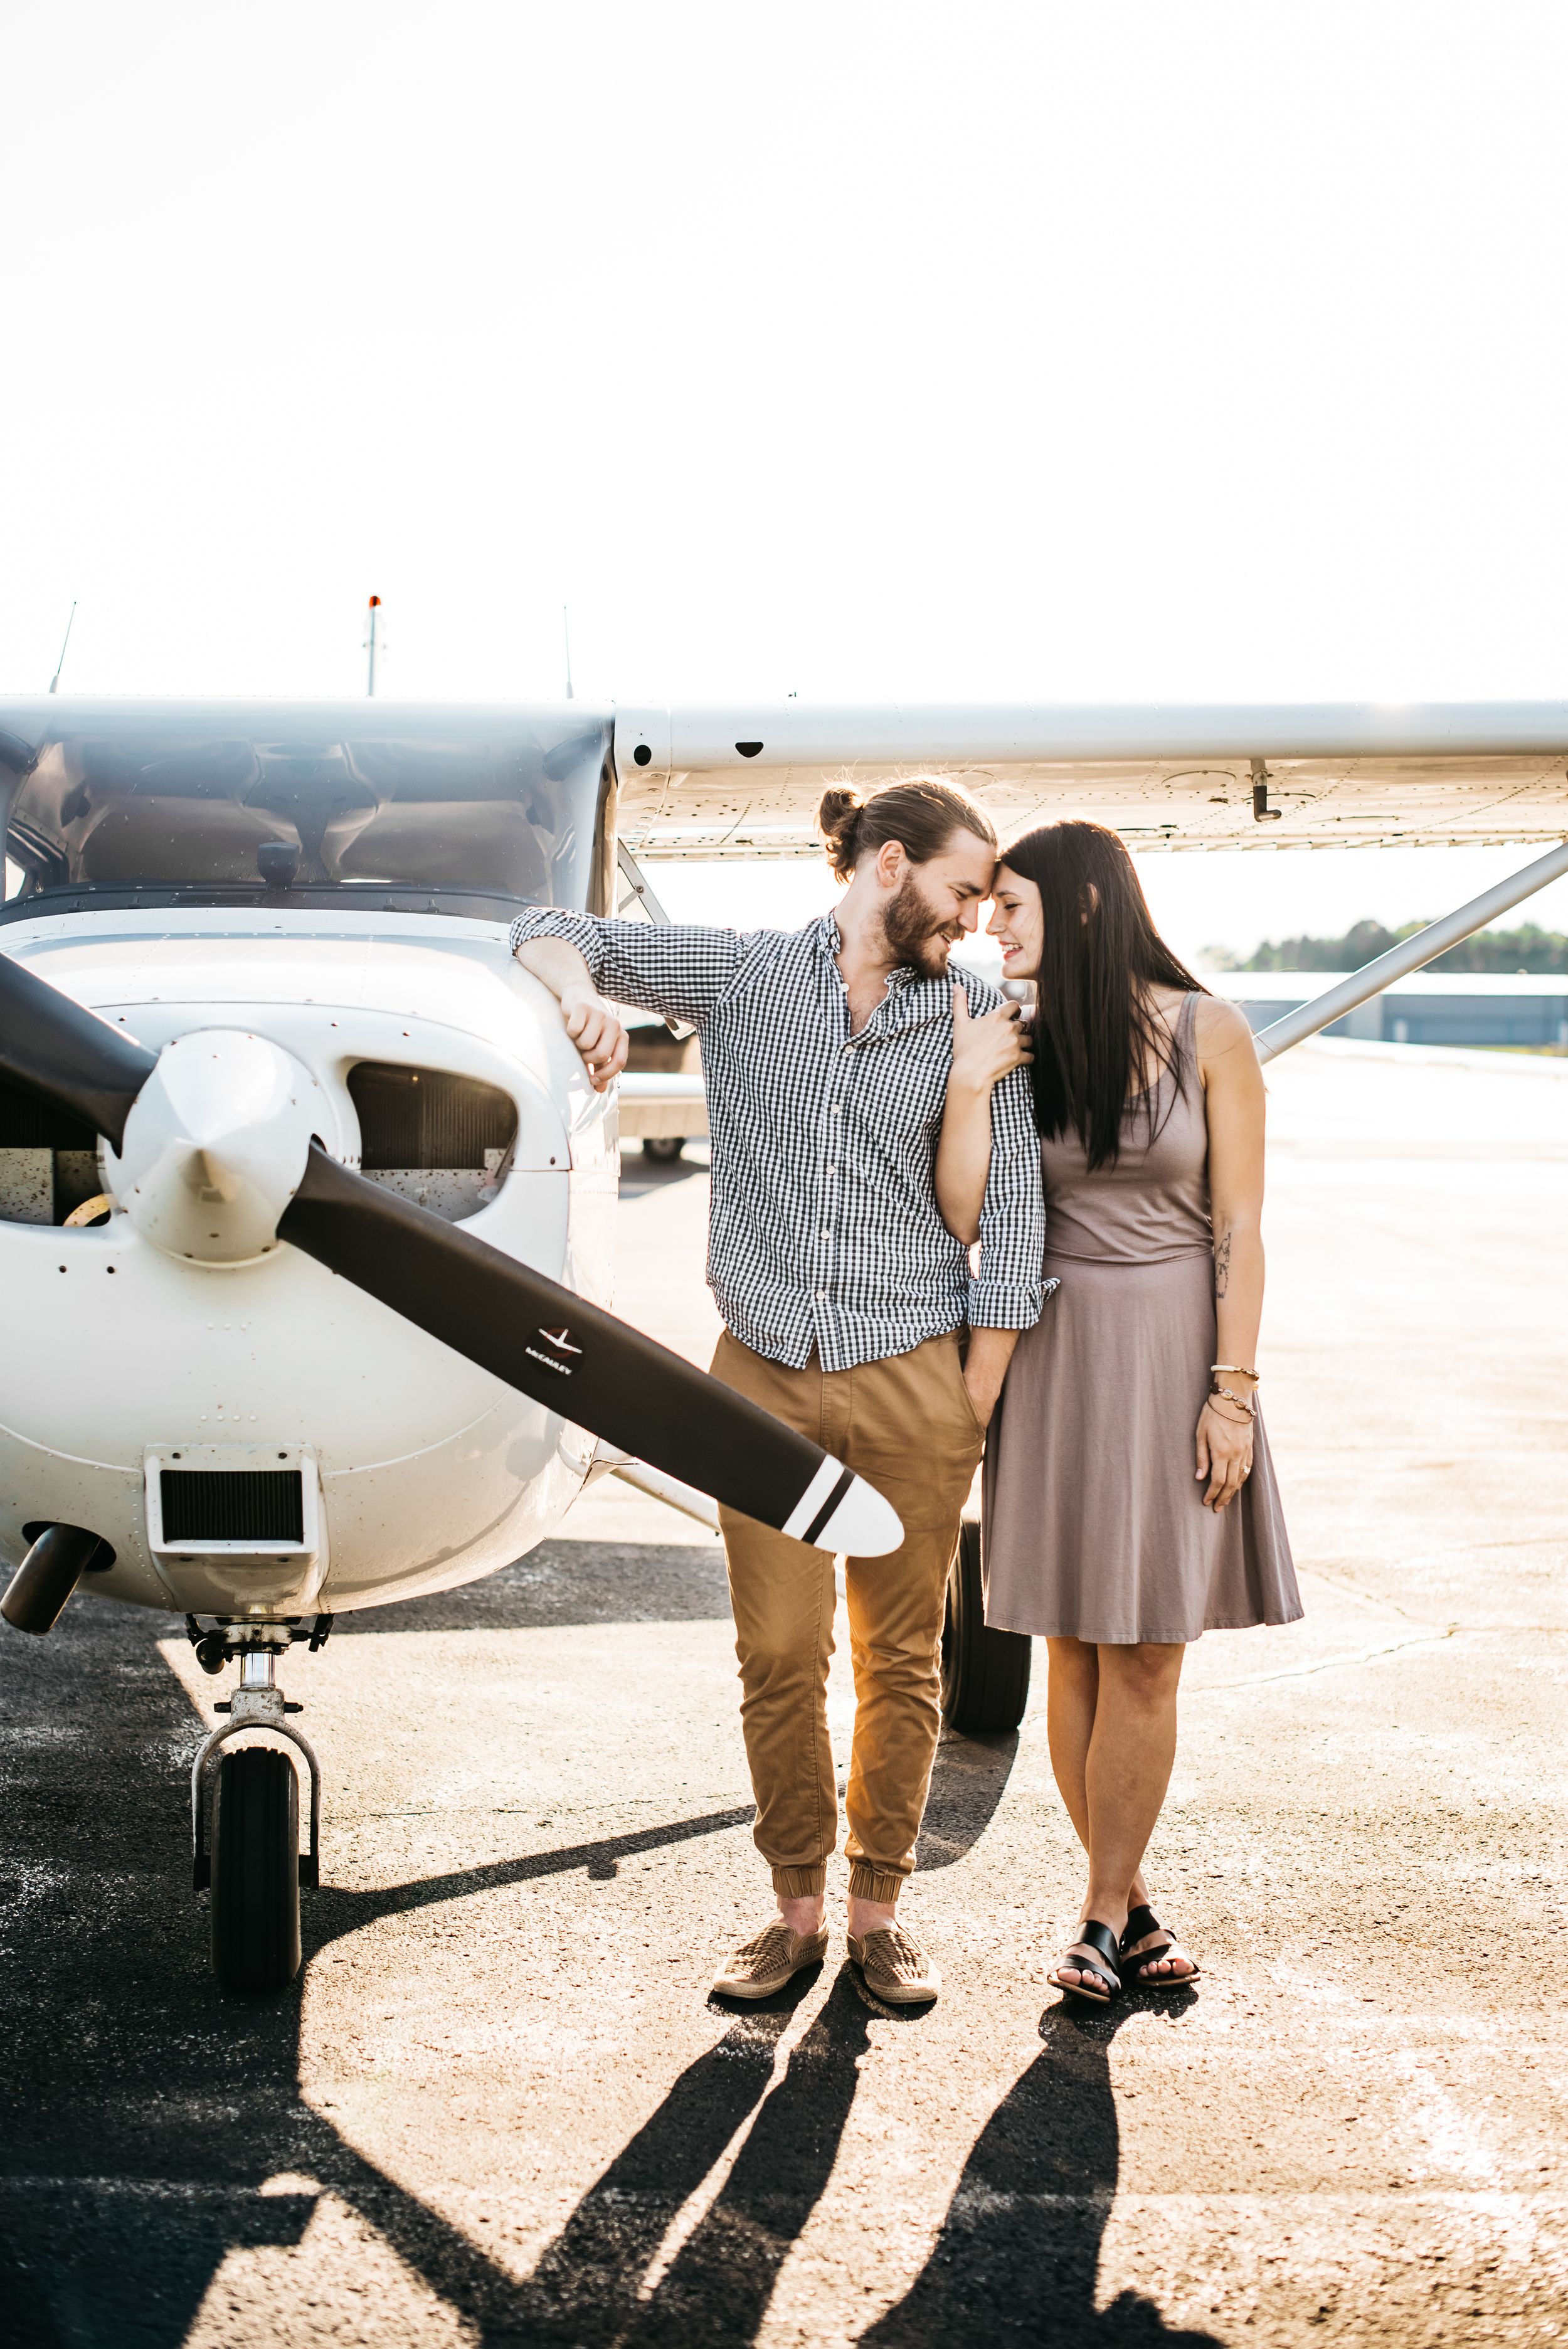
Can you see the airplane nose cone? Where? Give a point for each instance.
(215, 1146)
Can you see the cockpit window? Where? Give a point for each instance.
(505, 803)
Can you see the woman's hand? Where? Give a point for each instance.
(1224, 1452)
(985, 1050)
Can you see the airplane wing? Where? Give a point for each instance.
(743, 781)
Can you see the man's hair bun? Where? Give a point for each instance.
(839, 822)
(921, 812)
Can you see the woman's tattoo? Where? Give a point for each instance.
(1221, 1264)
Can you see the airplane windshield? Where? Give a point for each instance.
(170, 805)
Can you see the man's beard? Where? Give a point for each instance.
(914, 934)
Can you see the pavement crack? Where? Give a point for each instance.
(1332, 1663)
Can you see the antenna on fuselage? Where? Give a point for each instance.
(567, 634)
(55, 680)
(370, 640)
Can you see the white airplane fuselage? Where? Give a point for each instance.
(418, 1471)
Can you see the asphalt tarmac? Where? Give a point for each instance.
(499, 2105)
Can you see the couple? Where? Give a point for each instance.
(873, 1116)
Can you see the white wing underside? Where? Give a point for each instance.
(1170, 777)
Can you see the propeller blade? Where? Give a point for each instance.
(68, 1056)
(596, 1370)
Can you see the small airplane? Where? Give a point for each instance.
(306, 1203)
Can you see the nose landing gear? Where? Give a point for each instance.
(252, 1862)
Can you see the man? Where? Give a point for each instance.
(827, 1053)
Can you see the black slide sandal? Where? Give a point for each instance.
(1142, 1921)
(1100, 1967)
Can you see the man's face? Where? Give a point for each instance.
(935, 903)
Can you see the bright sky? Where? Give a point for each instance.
(856, 351)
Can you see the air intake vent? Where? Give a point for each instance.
(427, 1118)
(210, 1504)
(29, 1125)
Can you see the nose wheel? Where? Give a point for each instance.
(252, 1862)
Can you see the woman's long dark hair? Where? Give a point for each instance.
(1095, 1030)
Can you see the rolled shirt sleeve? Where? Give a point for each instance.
(1009, 1291)
(677, 969)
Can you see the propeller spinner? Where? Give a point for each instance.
(214, 1160)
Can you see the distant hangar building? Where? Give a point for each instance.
(1526, 1013)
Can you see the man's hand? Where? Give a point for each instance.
(594, 1027)
(985, 1367)
(984, 1050)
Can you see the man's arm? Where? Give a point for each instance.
(673, 968)
(1007, 1298)
(594, 1025)
(985, 1367)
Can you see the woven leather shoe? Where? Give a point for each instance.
(770, 1958)
(896, 1969)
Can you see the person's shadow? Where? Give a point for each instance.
(1018, 2257)
(587, 2289)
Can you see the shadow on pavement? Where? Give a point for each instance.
(1018, 2254)
(563, 1583)
(969, 1779)
(587, 2289)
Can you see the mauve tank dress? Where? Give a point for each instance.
(1094, 1525)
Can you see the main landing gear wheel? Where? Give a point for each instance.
(663, 1149)
(984, 1673)
(255, 1871)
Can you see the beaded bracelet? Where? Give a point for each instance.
(1244, 1408)
(1237, 1370)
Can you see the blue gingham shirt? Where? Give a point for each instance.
(824, 1230)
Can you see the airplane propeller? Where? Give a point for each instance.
(215, 1161)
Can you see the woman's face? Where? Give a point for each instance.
(1017, 923)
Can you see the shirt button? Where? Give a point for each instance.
(849, 1048)
(822, 1296)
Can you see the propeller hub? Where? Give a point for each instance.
(215, 1144)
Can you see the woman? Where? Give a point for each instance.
(1130, 1501)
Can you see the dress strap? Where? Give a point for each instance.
(1182, 1036)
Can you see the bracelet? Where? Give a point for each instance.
(1244, 1408)
(1237, 1370)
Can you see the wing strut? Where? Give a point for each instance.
(1409, 955)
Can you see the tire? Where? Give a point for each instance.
(663, 1149)
(255, 1871)
(984, 1673)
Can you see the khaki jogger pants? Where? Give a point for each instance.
(907, 1426)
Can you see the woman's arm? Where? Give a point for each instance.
(982, 1051)
(1235, 1103)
